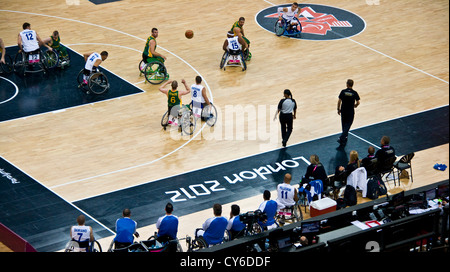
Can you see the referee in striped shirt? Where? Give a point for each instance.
(287, 108)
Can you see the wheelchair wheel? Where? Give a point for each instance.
(197, 244)
(141, 67)
(255, 229)
(155, 72)
(50, 59)
(209, 114)
(165, 120)
(244, 63)
(7, 67)
(19, 63)
(188, 122)
(95, 247)
(280, 27)
(223, 60)
(98, 83)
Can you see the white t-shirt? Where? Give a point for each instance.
(285, 194)
(81, 233)
(233, 43)
(288, 15)
(29, 40)
(91, 60)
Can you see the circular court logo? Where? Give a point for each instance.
(319, 22)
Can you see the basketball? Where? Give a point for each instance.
(189, 34)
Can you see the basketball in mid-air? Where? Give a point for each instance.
(189, 34)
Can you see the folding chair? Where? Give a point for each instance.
(387, 167)
(403, 164)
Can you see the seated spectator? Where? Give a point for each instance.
(343, 172)
(369, 162)
(213, 229)
(269, 207)
(167, 225)
(235, 226)
(315, 170)
(125, 229)
(384, 154)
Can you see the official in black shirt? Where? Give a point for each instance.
(348, 101)
(385, 153)
(287, 108)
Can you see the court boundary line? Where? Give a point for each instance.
(15, 86)
(361, 44)
(82, 105)
(261, 153)
(70, 203)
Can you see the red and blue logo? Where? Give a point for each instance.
(318, 22)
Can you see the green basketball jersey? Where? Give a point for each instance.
(172, 98)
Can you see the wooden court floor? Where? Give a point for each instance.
(399, 64)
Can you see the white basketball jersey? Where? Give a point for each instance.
(196, 91)
(29, 40)
(285, 194)
(233, 43)
(81, 233)
(91, 60)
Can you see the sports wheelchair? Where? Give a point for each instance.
(182, 117)
(35, 62)
(97, 82)
(74, 246)
(281, 28)
(155, 72)
(200, 243)
(233, 58)
(292, 214)
(6, 67)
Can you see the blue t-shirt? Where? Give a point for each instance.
(270, 208)
(167, 225)
(125, 228)
(234, 224)
(214, 229)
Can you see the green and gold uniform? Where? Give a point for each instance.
(147, 55)
(173, 99)
(236, 24)
(56, 44)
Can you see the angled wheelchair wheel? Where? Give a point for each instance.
(188, 122)
(95, 247)
(7, 67)
(198, 243)
(209, 114)
(280, 27)
(223, 60)
(19, 63)
(244, 63)
(155, 72)
(165, 120)
(98, 83)
(141, 67)
(50, 59)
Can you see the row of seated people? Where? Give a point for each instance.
(213, 229)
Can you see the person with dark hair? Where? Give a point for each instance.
(213, 229)
(347, 102)
(269, 207)
(288, 14)
(238, 30)
(235, 226)
(29, 41)
(369, 162)
(93, 61)
(82, 234)
(198, 96)
(149, 54)
(384, 154)
(287, 108)
(167, 225)
(125, 229)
